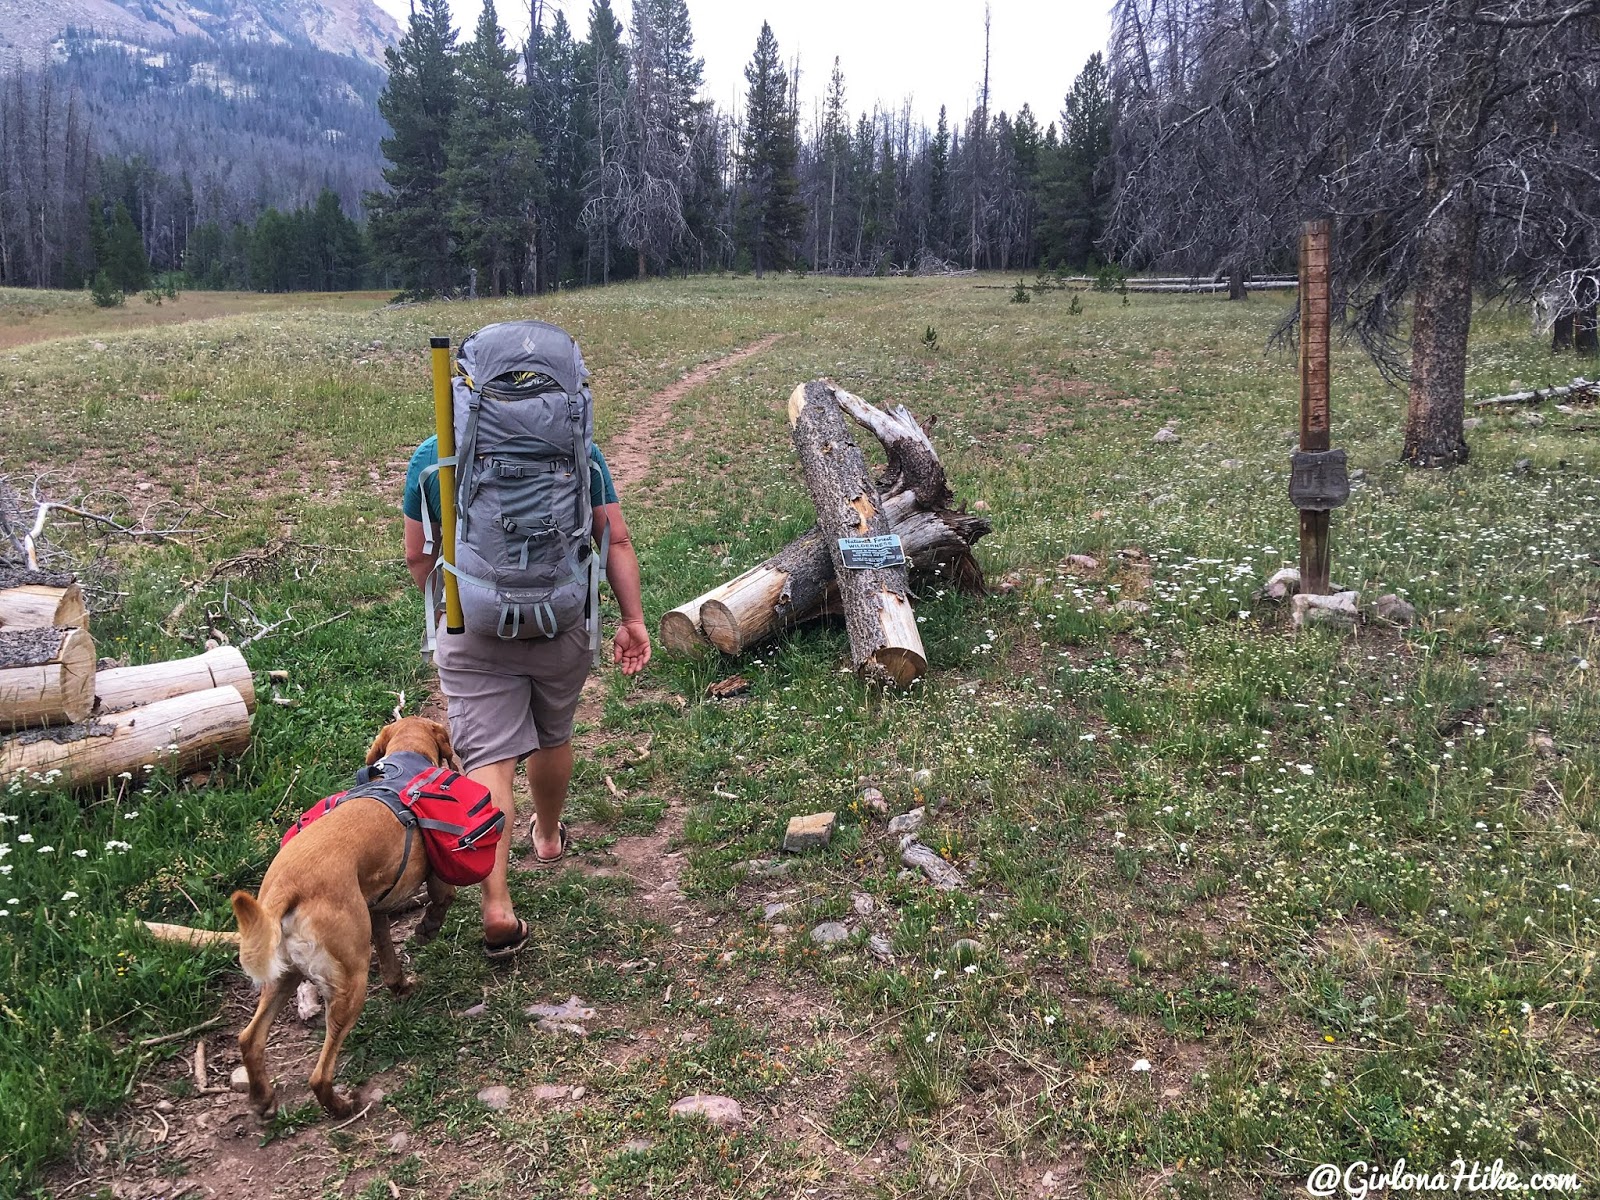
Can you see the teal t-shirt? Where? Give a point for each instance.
(601, 489)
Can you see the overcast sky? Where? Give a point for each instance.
(930, 51)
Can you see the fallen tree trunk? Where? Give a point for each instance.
(885, 644)
(128, 687)
(797, 583)
(178, 734)
(46, 676)
(1586, 389)
(39, 600)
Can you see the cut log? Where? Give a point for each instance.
(797, 583)
(182, 935)
(680, 628)
(129, 687)
(39, 600)
(46, 676)
(885, 644)
(177, 734)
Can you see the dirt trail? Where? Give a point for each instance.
(629, 454)
(215, 1137)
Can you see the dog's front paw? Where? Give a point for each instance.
(404, 986)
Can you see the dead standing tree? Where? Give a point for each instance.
(1426, 127)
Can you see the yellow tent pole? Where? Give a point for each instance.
(445, 426)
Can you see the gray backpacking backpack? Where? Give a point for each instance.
(524, 425)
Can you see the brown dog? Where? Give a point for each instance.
(324, 907)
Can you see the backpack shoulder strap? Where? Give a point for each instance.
(466, 461)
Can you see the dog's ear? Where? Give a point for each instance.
(380, 744)
(447, 752)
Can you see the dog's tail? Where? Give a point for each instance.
(259, 936)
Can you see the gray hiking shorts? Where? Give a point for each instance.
(510, 698)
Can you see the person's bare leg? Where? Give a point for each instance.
(549, 773)
(499, 918)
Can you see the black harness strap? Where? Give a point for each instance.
(382, 782)
(405, 861)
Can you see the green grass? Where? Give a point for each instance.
(1340, 891)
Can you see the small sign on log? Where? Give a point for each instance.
(872, 553)
(1318, 480)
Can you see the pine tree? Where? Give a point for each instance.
(555, 102)
(939, 188)
(337, 249)
(126, 265)
(410, 223)
(492, 175)
(771, 211)
(835, 149)
(603, 86)
(1075, 191)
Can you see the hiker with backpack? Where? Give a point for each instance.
(538, 526)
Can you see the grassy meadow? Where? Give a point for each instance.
(1240, 900)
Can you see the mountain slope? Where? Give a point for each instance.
(32, 30)
(245, 124)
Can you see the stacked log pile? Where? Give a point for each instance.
(63, 720)
(808, 578)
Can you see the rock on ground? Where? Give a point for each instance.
(307, 1001)
(830, 933)
(571, 1009)
(1130, 608)
(240, 1080)
(1165, 435)
(497, 1097)
(908, 822)
(763, 866)
(1284, 582)
(1393, 609)
(1341, 608)
(718, 1110)
(811, 832)
(942, 875)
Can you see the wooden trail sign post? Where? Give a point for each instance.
(1318, 481)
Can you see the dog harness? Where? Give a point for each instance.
(458, 835)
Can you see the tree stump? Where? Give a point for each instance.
(46, 676)
(885, 644)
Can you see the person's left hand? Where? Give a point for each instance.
(631, 647)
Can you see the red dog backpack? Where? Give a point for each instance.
(461, 827)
